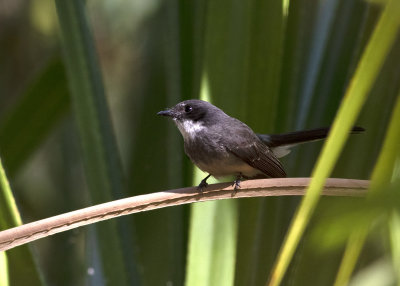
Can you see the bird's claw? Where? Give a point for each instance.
(236, 185)
(203, 184)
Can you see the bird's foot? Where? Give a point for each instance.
(203, 184)
(236, 184)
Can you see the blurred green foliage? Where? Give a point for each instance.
(277, 65)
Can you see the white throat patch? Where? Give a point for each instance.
(189, 128)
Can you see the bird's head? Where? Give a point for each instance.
(192, 116)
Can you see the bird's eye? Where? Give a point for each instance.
(188, 108)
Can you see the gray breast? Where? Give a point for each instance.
(203, 149)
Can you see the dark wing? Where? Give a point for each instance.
(259, 156)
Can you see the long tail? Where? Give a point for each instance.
(280, 143)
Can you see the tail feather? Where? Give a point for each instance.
(297, 137)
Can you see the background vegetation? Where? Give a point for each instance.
(81, 82)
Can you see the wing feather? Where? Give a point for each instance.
(260, 156)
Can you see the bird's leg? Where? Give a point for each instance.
(236, 183)
(203, 184)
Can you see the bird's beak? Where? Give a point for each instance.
(167, 112)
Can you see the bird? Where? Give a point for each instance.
(222, 146)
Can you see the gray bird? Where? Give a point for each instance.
(222, 145)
